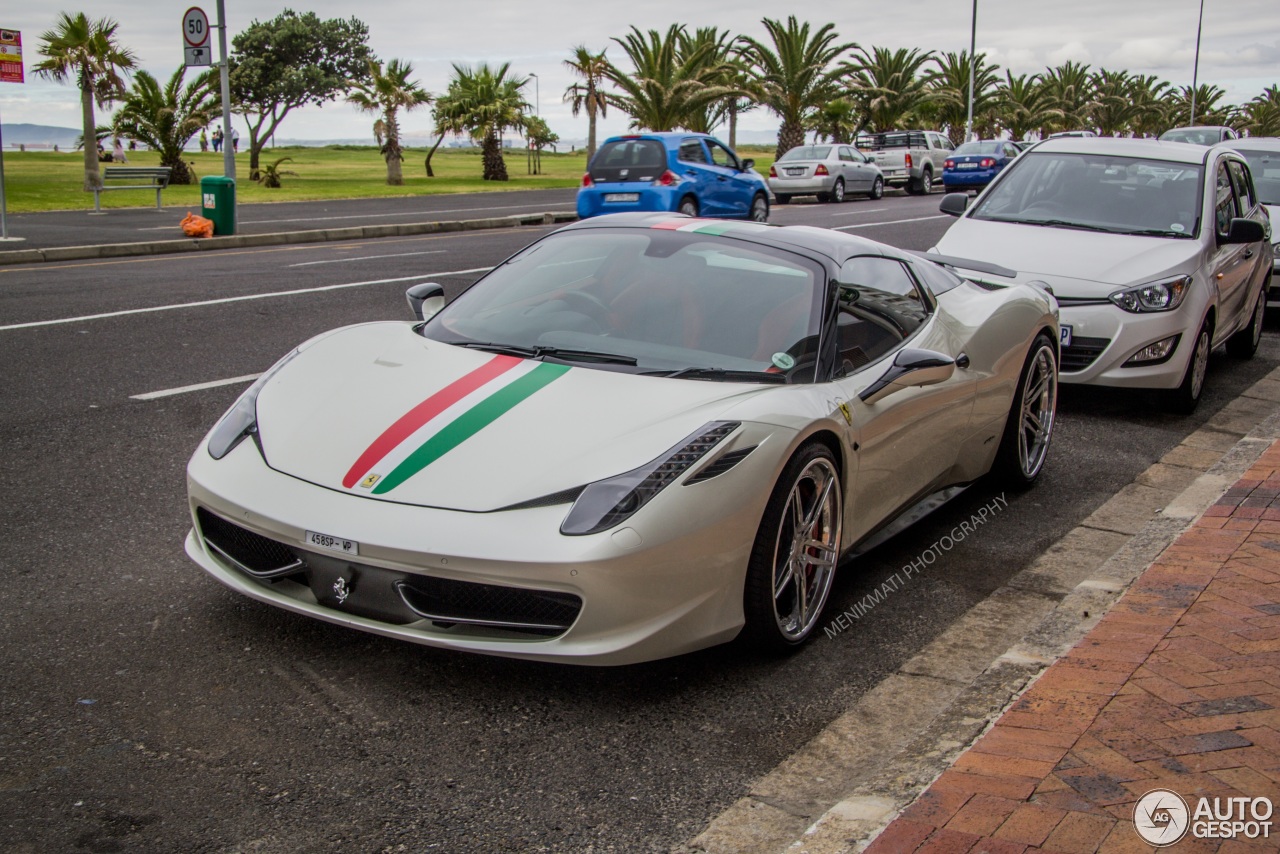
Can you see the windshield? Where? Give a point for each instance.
(980, 148)
(1095, 192)
(647, 301)
(1265, 168)
(808, 152)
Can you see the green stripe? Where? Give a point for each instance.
(715, 228)
(470, 423)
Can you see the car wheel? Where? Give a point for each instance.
(1028, 431)
(793, 561)
(781, 199)
(759, 209)
(1244, 343)
(1184, 398)
(877, 189)
(688, 206)
(837, 191)
(926, 183)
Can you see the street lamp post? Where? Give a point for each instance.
(537, 96)
(1195, 72)
(973, 39)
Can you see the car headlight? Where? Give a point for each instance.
(609, 502)
(242, 418)
(1156, 296)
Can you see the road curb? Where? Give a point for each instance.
(851, 780)
(238, 241)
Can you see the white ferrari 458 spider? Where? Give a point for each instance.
(641, 435)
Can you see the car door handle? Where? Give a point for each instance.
(1248, 253)
(692, 173)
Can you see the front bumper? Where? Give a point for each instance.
(668, 581)
(1104, 337)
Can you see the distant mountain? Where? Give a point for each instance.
(41, 136)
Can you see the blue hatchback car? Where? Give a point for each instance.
(974, 165)
(691, 173)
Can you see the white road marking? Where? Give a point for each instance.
(369, 257)
(369, 216)
(862, 211)
(170, 392)
(870, 224)
(423, 277)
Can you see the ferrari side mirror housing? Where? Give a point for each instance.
(425, 299)
(954, 204)
(910, 368)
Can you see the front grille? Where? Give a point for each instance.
(252, 552)
(444, 600)
(1082, 353)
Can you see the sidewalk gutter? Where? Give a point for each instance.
(356, 232)
(851, 780)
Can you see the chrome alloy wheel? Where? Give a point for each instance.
(1200, 362)
(806, 549)
(1039, 406)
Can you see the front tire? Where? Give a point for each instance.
(759, 209)
(1244, 343)
(837, 192)
(1028, 432)
(688, 206)
(793, 560)
(1186, 396)
(877, 190)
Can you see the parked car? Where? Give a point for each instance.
(1199, 134)
(973, 165)
(1070, 133)
(826, 171)
(1157, 254)
(692, 173)
(1263, 155)
(909, 159)
(641, 435)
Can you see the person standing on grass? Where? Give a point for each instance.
(117, 152)
(204, 141)
(217, 140)
(235, 141)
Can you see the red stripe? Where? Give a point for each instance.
(672, 224)
(412, 420)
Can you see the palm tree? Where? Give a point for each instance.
(485, 101)
(88, 52)
(1261, 116)
(889, 87)
(384, 93)
(1113, 111)
(949, 88)
(1151, 111)
(587, 94)
(166, 118)
(1208, 110)
(714, 49)
(1070, 90)
(836, 121)
(795, 75)
(445, 124)
(1023, 105)
(664, 88)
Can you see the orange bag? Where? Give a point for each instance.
(196, 226)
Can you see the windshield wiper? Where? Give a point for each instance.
(554, 352)
(1156, 232)
(720, 374)
(1064, 223)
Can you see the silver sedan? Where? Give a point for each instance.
(829, 172)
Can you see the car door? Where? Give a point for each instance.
(939, 148)
(734, 188)
(856, 174)
(906, 442)
(695, 167)
(1230, 266)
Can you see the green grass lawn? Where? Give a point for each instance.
(45, 181)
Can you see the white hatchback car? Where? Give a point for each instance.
(1157, 252)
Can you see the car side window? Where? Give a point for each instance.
(1244, 187)
(880, 306)
(721, 156)
(847, 155)
(1224, 202)
(691, 151)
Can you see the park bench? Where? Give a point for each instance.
(138, 178)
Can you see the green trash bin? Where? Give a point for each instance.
(219, 203)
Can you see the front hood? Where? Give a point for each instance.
(381, 412)
(1076, 263)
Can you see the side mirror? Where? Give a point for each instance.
(954, 204)
(748, 164)
(910, 368)
(1244, 230)
(425, 299)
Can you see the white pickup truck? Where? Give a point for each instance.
(911, 159)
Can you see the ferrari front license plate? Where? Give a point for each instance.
(1065, 331)
(622, 197)
(333, 544)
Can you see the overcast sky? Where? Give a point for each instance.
(1240, 48)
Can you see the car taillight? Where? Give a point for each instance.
(987, 163)
(949, 164)
(667, 178)
(586, 180)
(773, 172)
(821, 170)
(908, 160)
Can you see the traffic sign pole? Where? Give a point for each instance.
(228, 150)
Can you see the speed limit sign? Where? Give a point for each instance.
(195, 37)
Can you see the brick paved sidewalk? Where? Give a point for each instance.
(1177, 687)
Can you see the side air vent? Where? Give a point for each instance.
(720, 465)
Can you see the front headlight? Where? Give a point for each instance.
(1157, 296)
(609, 502)
(242, 418)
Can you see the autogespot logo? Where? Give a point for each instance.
(1161, 817)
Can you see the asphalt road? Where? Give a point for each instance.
(146, 708)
